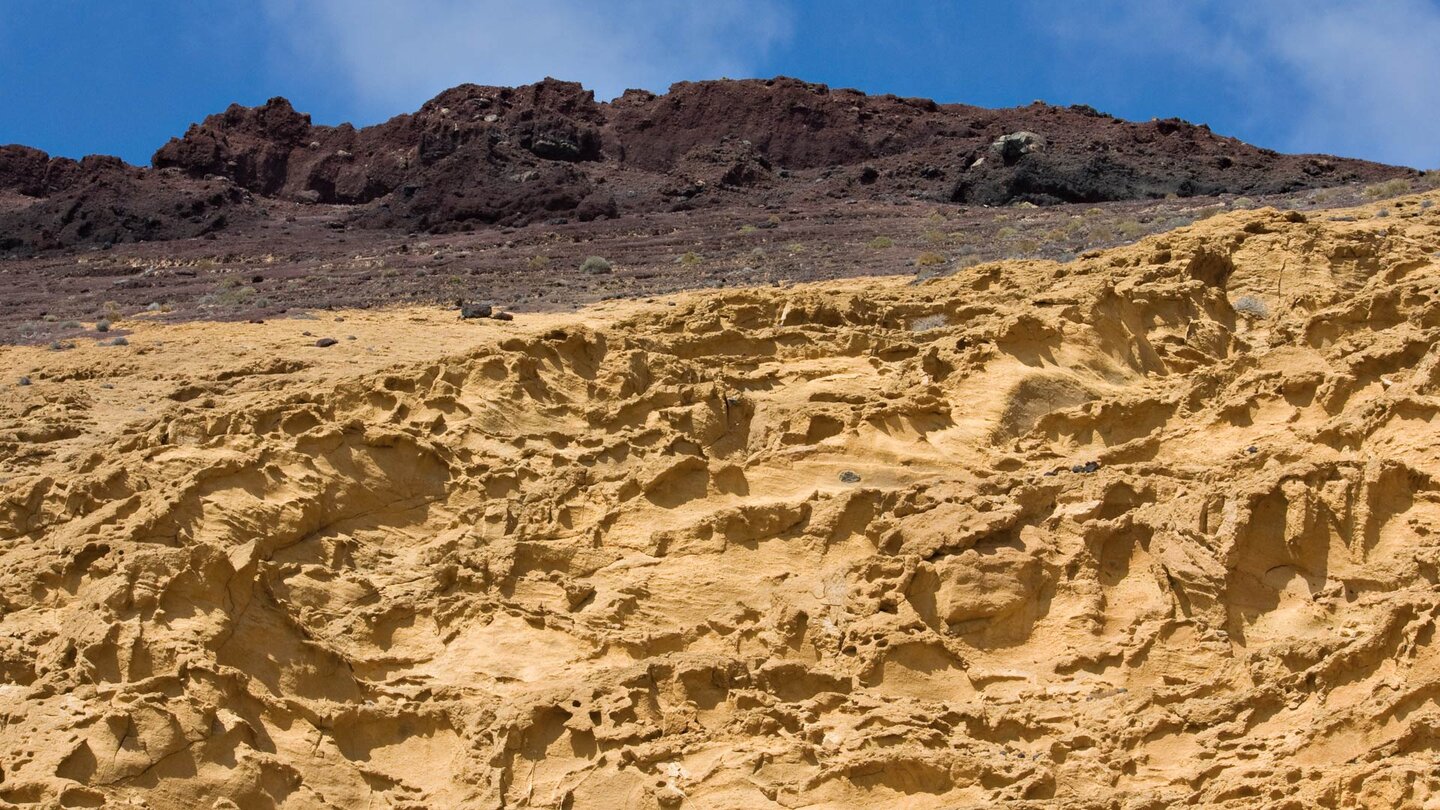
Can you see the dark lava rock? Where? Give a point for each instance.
(479, 156)
(469, 311)
(850, 477)
(326, 342)
(104, 201)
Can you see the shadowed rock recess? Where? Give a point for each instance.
(1034, 534)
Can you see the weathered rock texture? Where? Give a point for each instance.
(839, 545)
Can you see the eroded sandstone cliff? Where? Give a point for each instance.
(1076, 534)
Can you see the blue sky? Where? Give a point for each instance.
(1342, 76)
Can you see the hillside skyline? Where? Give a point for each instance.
(1317, 77)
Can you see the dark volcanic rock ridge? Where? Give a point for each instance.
(475, 156)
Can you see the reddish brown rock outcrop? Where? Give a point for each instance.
(476, 156)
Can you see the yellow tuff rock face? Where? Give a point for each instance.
(1159, 525)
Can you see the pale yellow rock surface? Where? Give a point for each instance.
(621, 558)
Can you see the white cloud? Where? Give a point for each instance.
(1371, 72)
(1350, 78)
(392, 55)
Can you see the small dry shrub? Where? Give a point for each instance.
(1389, 188)
(595, 265)
(927, 322)
(1252, 306)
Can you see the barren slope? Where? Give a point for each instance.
(1069, 534)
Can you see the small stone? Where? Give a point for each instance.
(326, 342)
(669, 796)
(472, 311)
(1252, 449)
(503, 316)
(24, 381)
(850, 477)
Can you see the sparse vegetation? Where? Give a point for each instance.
(1389, 188)
(538, 262)
(929, 259)
(1251, 306)
(1102, 232)
(690, 259)
(965, 262)
(595, 265)
(881, 242)
(1027, 247)
(229, 294)
(1130, 229)
(927, 322)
